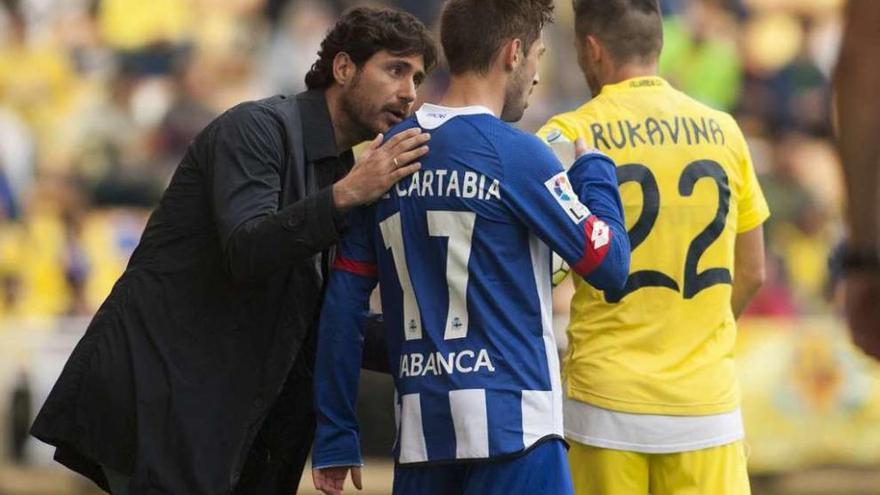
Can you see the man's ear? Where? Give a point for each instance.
(595, 50)
(344, 68)
(512, 54)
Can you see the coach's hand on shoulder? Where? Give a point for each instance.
(379, 167)
(331, 480)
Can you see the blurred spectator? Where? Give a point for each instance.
(20, 417)
(37, 80)
(76, 264)
(775, 298)
(12, 242)
(790, 201)
(700, 56)
(799, 232)
(146, 34)
(113, 158)
(294, 46)
(16, 162)
(188, 113)
(785, 87)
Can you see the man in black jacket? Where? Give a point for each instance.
(194, 377)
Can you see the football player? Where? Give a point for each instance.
(651, 396)
(461, 252)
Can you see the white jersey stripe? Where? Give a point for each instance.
(537, 417)
(470, 418)
(542, 410)
(412, 436)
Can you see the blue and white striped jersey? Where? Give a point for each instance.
(461, 251)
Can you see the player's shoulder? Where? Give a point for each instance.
(520, 144)
(505, 139)
(726, 123)
(259, 113)
(567, 126)
(407, 123)
(691, 105)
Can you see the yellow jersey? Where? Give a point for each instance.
(664, 344)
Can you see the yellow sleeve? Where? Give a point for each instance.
(753, 209)
(557, 129)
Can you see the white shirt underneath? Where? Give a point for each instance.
(649, 433)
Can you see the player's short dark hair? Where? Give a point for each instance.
(361, 32)
(629, 29)
(473, 31)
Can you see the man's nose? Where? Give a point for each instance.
(407, 91)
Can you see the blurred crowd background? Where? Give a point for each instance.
(99, 99)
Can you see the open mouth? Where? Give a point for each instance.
(396, 115)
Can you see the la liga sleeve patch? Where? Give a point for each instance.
(561, 190)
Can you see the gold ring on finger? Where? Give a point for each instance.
(396, 165)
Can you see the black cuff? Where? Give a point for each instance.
(340, 221)
(313, 219)
(333, 222)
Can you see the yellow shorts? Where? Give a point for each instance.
(713, 471)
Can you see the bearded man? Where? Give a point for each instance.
(195, 375)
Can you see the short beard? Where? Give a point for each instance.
(353, 107)
(515, 97)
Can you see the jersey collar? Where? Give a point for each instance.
(636, 83)
(431, 116)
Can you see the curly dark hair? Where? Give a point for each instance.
(361, 32)
(472, 31)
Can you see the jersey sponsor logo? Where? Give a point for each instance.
(601, 234)
(437, 363)
(598, 236)
(563, 193)
(449, 183)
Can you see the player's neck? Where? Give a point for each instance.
(471, 90)
(629, 71)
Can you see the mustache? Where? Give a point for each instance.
(401, 111)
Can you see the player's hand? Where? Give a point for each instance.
(379, 167)
(863, 310)
(331, 481)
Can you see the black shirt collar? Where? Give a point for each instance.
(319, 139)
